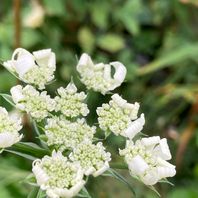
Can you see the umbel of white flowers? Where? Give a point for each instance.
(58, 176)
(65, 134)
(10, 125)
(70, 103)
(118, 117)
(68, 131)
(28, 99)
(93, 158)
(36, 69)
(98, 76)
(146, 159)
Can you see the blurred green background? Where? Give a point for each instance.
(157, 40)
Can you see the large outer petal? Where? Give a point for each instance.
(16, 93)
(23, 61)
(135, 127)
(7, 139)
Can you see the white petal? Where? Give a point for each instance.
(76, 188)
(151, 141)
(120, 72)
(138, 166)
(71, 88)
(150, 178)
(162, 150)
(107, 72)
(135, 127)
(16, 93)
(23, 62)
(84, 61)
(90, 171)
(7, 139)
(101, 170)
(45, 58)
(164, 172)
(41, 176)
(52, 194)
(119, 100)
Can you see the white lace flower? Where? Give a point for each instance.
(98, 76)
(28, 99)
(146, 159)
(118, 116)
(64, 134)
(70, 103)
(36, 69)
(93, 158)
(35, 17)
(58, 176)
(10, 125)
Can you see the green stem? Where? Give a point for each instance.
(118, 166)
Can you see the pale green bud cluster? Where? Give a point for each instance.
(9, 123)
(70, 103)
(43, 76)
(117, 115)
(90, 156)
(28, 99)
(65, 134)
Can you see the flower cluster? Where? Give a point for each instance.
(10, 125)
(93, 158)
(118, 117)
(98, 77)
(66, 134)
(36, 69)
(28, 99)
(70, 103)
(146, 159)
(58, 176)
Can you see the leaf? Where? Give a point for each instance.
(21, 154)
(154, 190)
(31, 148)
(113, 173)
(84, 193)
(8, 98)
(36, 193)
(171, 58)
(111, 42)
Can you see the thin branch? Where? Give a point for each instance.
(17, 23)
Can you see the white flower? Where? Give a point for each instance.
(146, 159)
(36, 69)
(70, 103)
(93, 158)
(64, 134)
(35, 18)
(98, 76)
(118, 117)
(28, 99)
(9, 128)
(59, 177)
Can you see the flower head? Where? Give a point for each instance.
(64, 134)
(70, 103)
(93, 158)
(9, 128)
(98, 76)
(36, 69)
(58, 176)
(118, 116)
(28, 99)
(146, 159)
